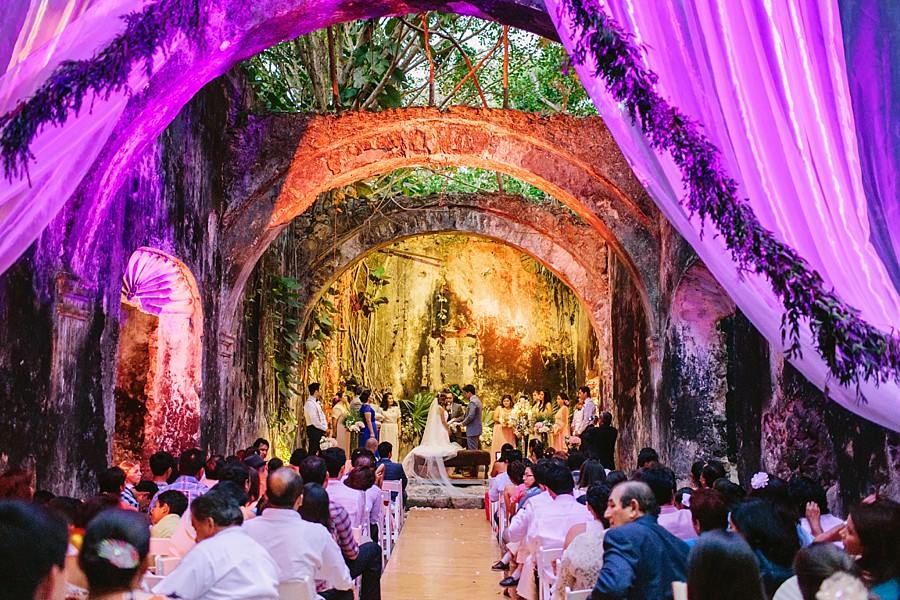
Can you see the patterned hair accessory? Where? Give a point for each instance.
(118, 553)
(759, 481)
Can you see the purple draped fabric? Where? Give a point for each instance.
(768, 82)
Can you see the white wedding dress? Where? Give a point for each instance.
(425, 462)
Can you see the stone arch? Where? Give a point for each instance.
(552, 237)
(572, 159)
(161, 330)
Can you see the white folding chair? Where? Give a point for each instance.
(503, 521)
(546, 575)
(148, 581)
(160, 546)
(304, 589)
(679, 590)
(166, 564)
(396, 486)
(577, 594)
(385, 527)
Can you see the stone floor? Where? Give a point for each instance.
(466, 493)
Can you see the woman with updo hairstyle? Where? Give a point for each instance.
(114, 555)
(774, 541)
(315, 507)
(722, 566)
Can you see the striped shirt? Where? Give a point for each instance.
(342, 530)
(187, 485)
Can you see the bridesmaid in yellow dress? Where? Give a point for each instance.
(339, 412)
(502, 434)
(561, 425)
(390, 427)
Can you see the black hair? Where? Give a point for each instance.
(313, 469)
(160, 462)
(586, 390)
(712, 471)
(111, 480)
(238, 474)
(365, 395)
(315, 507)
(539, 470)
(696, 471)
(563, 395)
(147, 486)
(65, 507)
(592, 472)
(765, 530)
(115, 545)
(219, 505)
(360, 478)
(516, 471)
(274, 464)
(385, 449)
(614, 478)
(175, 500)
(597, 497)
(359, 452)
(816, 563)
(536, 447)
(469, 388)
(384, 397)
(191, 462)
(213, 466)
(680, 493)
(313, 387)
(710, 509)
(878, 527)
(234, 491)
(661, 480)
(93, 506)
(606, 417)
(32, 541)
(297, 456)
(640, 492)
(511, 455)
(732, 492)
(261, 442)
(576, 460)
(722, 565)
(776, 491)
(558, 478)
(647, 455)
(335, 459)
(801, 490)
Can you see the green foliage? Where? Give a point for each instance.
(285, 356)
(414, 416)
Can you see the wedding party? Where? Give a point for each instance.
(437, 300)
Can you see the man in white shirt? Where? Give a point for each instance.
(585, 415)
(316, 425)
(662, 482)
(300, 548)
(226, 563)
(351, 500)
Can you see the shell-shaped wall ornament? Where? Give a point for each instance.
(158, 284)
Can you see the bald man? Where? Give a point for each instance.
(300, 548)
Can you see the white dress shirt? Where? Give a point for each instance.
(314, 414)
(524, 517)
(228, 566)
(583, 416)
(676, 521)
(374, 503)
(353, 501)
(551, 521)
(498, 484)
(300, 548)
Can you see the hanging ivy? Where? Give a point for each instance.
(853, 349)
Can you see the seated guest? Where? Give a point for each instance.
(808, 500)
(696, 473)
(574, 461)
(683, 498)
(647, 457)
(166, 515)
(315, 507)
(145, 490)
(211, 470)
(393, 471)
(351, 500)
(515, 536)
(662, 481)
(33, 544)
(226, 562)
(372, 446)
(592, 471)
(871, 533)
(363, 479)
(709, 512)
(773, 539)
(363, 560)
(114, 554)
(512, 492)
(722, 565)
(712, 471)
(111, 484)
(813, 565)
(300, 548)
(640, 558)
(274, 464)
(499, 477)
(582, 558)
(297, 457)
(132, 470)
(162, 465)
(614, 478)
(732, 492)
(190, 469)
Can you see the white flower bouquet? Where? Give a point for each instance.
(327, 442)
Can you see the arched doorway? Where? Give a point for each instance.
(158, 375)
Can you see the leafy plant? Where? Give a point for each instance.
(285, 357)
(414, 416)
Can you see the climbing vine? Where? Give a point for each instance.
(285, 354)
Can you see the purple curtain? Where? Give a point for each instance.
(768, 81)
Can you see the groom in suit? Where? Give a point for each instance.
(472, 420)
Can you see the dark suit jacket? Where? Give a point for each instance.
(640, 562)
(394, 472)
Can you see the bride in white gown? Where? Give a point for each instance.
(425, 462)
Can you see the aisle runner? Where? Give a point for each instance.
(443, 555)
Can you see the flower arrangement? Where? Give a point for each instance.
(354, 423)
(327, 442)
(522, 418)
(543, 424)
(759, 481)
(573, 441)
